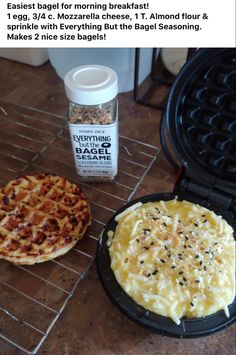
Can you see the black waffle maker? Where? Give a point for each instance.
(201, 122)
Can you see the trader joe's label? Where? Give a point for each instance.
(95, 149)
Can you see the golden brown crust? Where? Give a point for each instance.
(41, 217)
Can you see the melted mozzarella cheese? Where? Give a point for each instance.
(174, 258)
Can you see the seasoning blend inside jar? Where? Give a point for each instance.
(93, 121)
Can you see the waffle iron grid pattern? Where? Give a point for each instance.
(208, 115)
(33, 209)
(32, 298)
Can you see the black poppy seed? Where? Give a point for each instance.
(205, 220)
(186, 238)
(192, 304)
(163, 261)
(190, 246)
(146, 248)
(184, 278)
(181, 283)
(151, 243)
(181, 272)
(185, 246)
(173, 267)
(197, 256)
(169, 255)
(179, 232)
(215, 243)
(142, 261)
(205, 268)
(155, 218)
(196, 224)
(148, 275)
(203, 215)
(166, 247)
(179, 254)
(146, 230)
(5, 200)
(197, 281)
(200, 262)
(155, 272)
(207, 252)
(137, 240)
(164, 224)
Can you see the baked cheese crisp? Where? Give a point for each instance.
(41, 217)
(174, 258)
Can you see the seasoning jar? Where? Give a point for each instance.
(93, 121)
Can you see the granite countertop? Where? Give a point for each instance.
(60, 306)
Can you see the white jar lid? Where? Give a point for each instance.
(91, 84)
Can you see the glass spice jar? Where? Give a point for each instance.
(93, 121)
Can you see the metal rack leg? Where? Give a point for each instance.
(137, 97)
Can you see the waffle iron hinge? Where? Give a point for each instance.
(207, 193)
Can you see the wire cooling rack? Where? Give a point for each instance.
(32, 298)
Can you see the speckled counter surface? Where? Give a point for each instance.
(60, 307)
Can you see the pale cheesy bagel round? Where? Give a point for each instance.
(175, 258)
